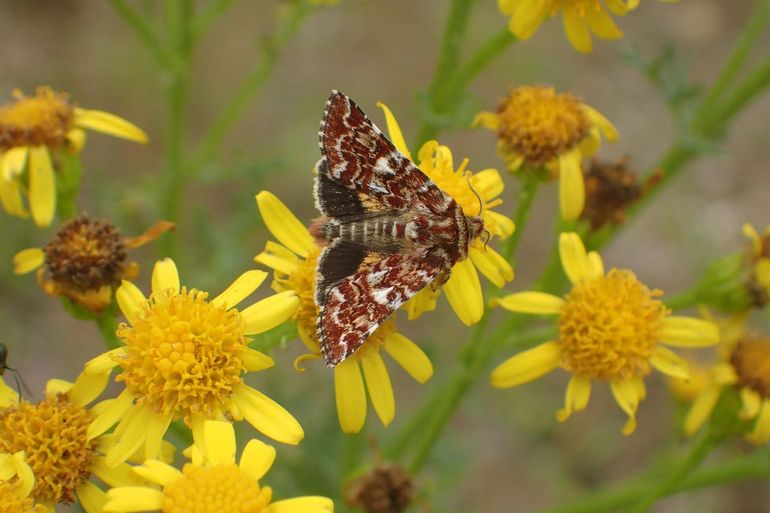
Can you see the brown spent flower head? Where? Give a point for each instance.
(751, 359)
(611, 187)
(52, 433)
(387, 488)
(540, 124)
(43, 119)
(86, 254)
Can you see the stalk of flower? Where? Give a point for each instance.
(16, 483)
(581, 18)
(85, 260)
(32, 130)
(184, 357)
(611, 329)
(294, 263)
(211, 482)
(61, 458)
(537, 127)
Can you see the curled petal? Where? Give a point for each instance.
(486, 119)
(751, 403)
(760, 435)
(13, 162)
(527, 366)
(578, 394)
(628, 394)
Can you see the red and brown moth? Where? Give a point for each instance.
(386, 229)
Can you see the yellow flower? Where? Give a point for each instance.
(85, 260)
(183, 358)
(212, 482)
(463, 289)
(759, 263)
(581, 18)
(538, 127)
(16, 482)
(294, 263)
(611, 329)
(30, 129)
(53, 437)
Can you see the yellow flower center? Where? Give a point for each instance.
(540, 124)
(302, 281)
(53, 435)
(10, 502)
(214, 490)
(751, 360)
(609, 327)
(30, 121)
(183, 356)
(86, 254)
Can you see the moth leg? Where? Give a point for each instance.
(441, 279)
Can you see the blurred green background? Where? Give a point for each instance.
(504, 451)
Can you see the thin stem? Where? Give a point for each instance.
(682, 300)
(108, 325)
(288, 24)
(523, 209)
(213, 10)
(144, 32)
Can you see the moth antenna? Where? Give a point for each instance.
(487, 237)
(478, 197)
(20, 383)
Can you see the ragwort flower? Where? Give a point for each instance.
(212, 482)
(53, 437)
(759, 264)
(85, 260)
(294, 263)
(537, 127)
(33, 127)
(581, 18)
(184, 357)
(611, 327)
(16, 482)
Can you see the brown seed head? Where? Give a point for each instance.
(387, 488)
(611, 187)
(751, 360)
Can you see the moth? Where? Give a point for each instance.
(386, 229)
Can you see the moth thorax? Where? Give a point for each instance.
(475, 227)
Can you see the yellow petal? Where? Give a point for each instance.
(701, 409)
(307, 504)
(130, 434)
(573, 257)
(109, 124)
(133, 498)
(278, 258)
(617, 7)
(379, 386)
(220, 442)
(670, 363)
(602, 123)
(117, 409)
(530, 302)
(751, 403)
(501, 225)
(595, 265)
(488, 183)
(578, 394)
(486, 119)
(88, 387)
(492, 265)
(154, 431)
(270, 312)
(257, 458)
(10, 197)
(28, 260)
(165, 277)
(13, 162)
(423, 301)
(122, 475)
(42, 186)
(572, 194)
(760, 435)
(409, 356)
(76, 140)
(240, 289)
(284, 225)
(350, 396)
(602, 24)
(105, 362)
(91, 497)
(756, 243)
(627, 394)
(689, 332)
(394, 131)
(255, 361)
(131, 301)
(527, 366)
(158, 472)
(266, 415)
(576, 28)
(463, 291)
(527, 17)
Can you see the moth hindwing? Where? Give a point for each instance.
(386, 229)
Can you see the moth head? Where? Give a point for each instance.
(475, 227)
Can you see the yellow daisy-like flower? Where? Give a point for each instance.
(85, 260)
(759, 263)
(184, 357)
(539, 127)
(212, 482)
(30, 129)
(294, 263)
(16, 483)
(581, 18)
(611, 327)
(52, 434)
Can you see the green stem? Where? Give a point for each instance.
(145, 34)
(523, 209)
(108, 325)
(213, 10)
(682, 300)
(755, 465)
(288, 23)
(698, 452)
(178, 14)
